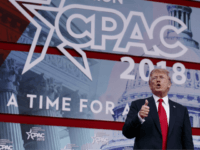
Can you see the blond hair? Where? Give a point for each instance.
(160, 70)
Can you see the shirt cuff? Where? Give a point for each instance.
(141, 120)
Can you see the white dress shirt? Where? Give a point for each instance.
(165, 104)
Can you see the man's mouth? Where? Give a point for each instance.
(158, 85)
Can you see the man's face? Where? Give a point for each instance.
(159, 83)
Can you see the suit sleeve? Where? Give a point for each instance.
(132, 123)
(187, 141)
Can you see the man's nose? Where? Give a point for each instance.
(158, 80)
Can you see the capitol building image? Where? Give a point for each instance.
(186, 94)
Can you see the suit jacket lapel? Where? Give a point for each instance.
(172, 118)
(154, 113)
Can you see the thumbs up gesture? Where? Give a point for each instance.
(144, 111)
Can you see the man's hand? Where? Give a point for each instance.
(144, 111)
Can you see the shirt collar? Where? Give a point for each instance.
(165, 99)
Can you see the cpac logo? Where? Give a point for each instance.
(6, 147)
(120, 25)
(33, 135)
(99, 139)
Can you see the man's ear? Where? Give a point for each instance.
(169, 85)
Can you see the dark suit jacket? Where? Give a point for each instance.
(148, 135)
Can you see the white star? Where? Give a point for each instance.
(94, 139)
(29, 134)
(61, 8)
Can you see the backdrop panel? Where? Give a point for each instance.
(56, 88)
(40, 137)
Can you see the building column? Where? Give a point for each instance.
(189, 20)
(9, 81)
(186, 20)
(79, 137)
(45, 87)
(172, 14)
(179, 14)
(182, 16)
(175, 15)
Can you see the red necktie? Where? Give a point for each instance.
(163, 123)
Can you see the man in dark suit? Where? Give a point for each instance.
(157, 122)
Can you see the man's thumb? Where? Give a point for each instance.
(146, 102)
